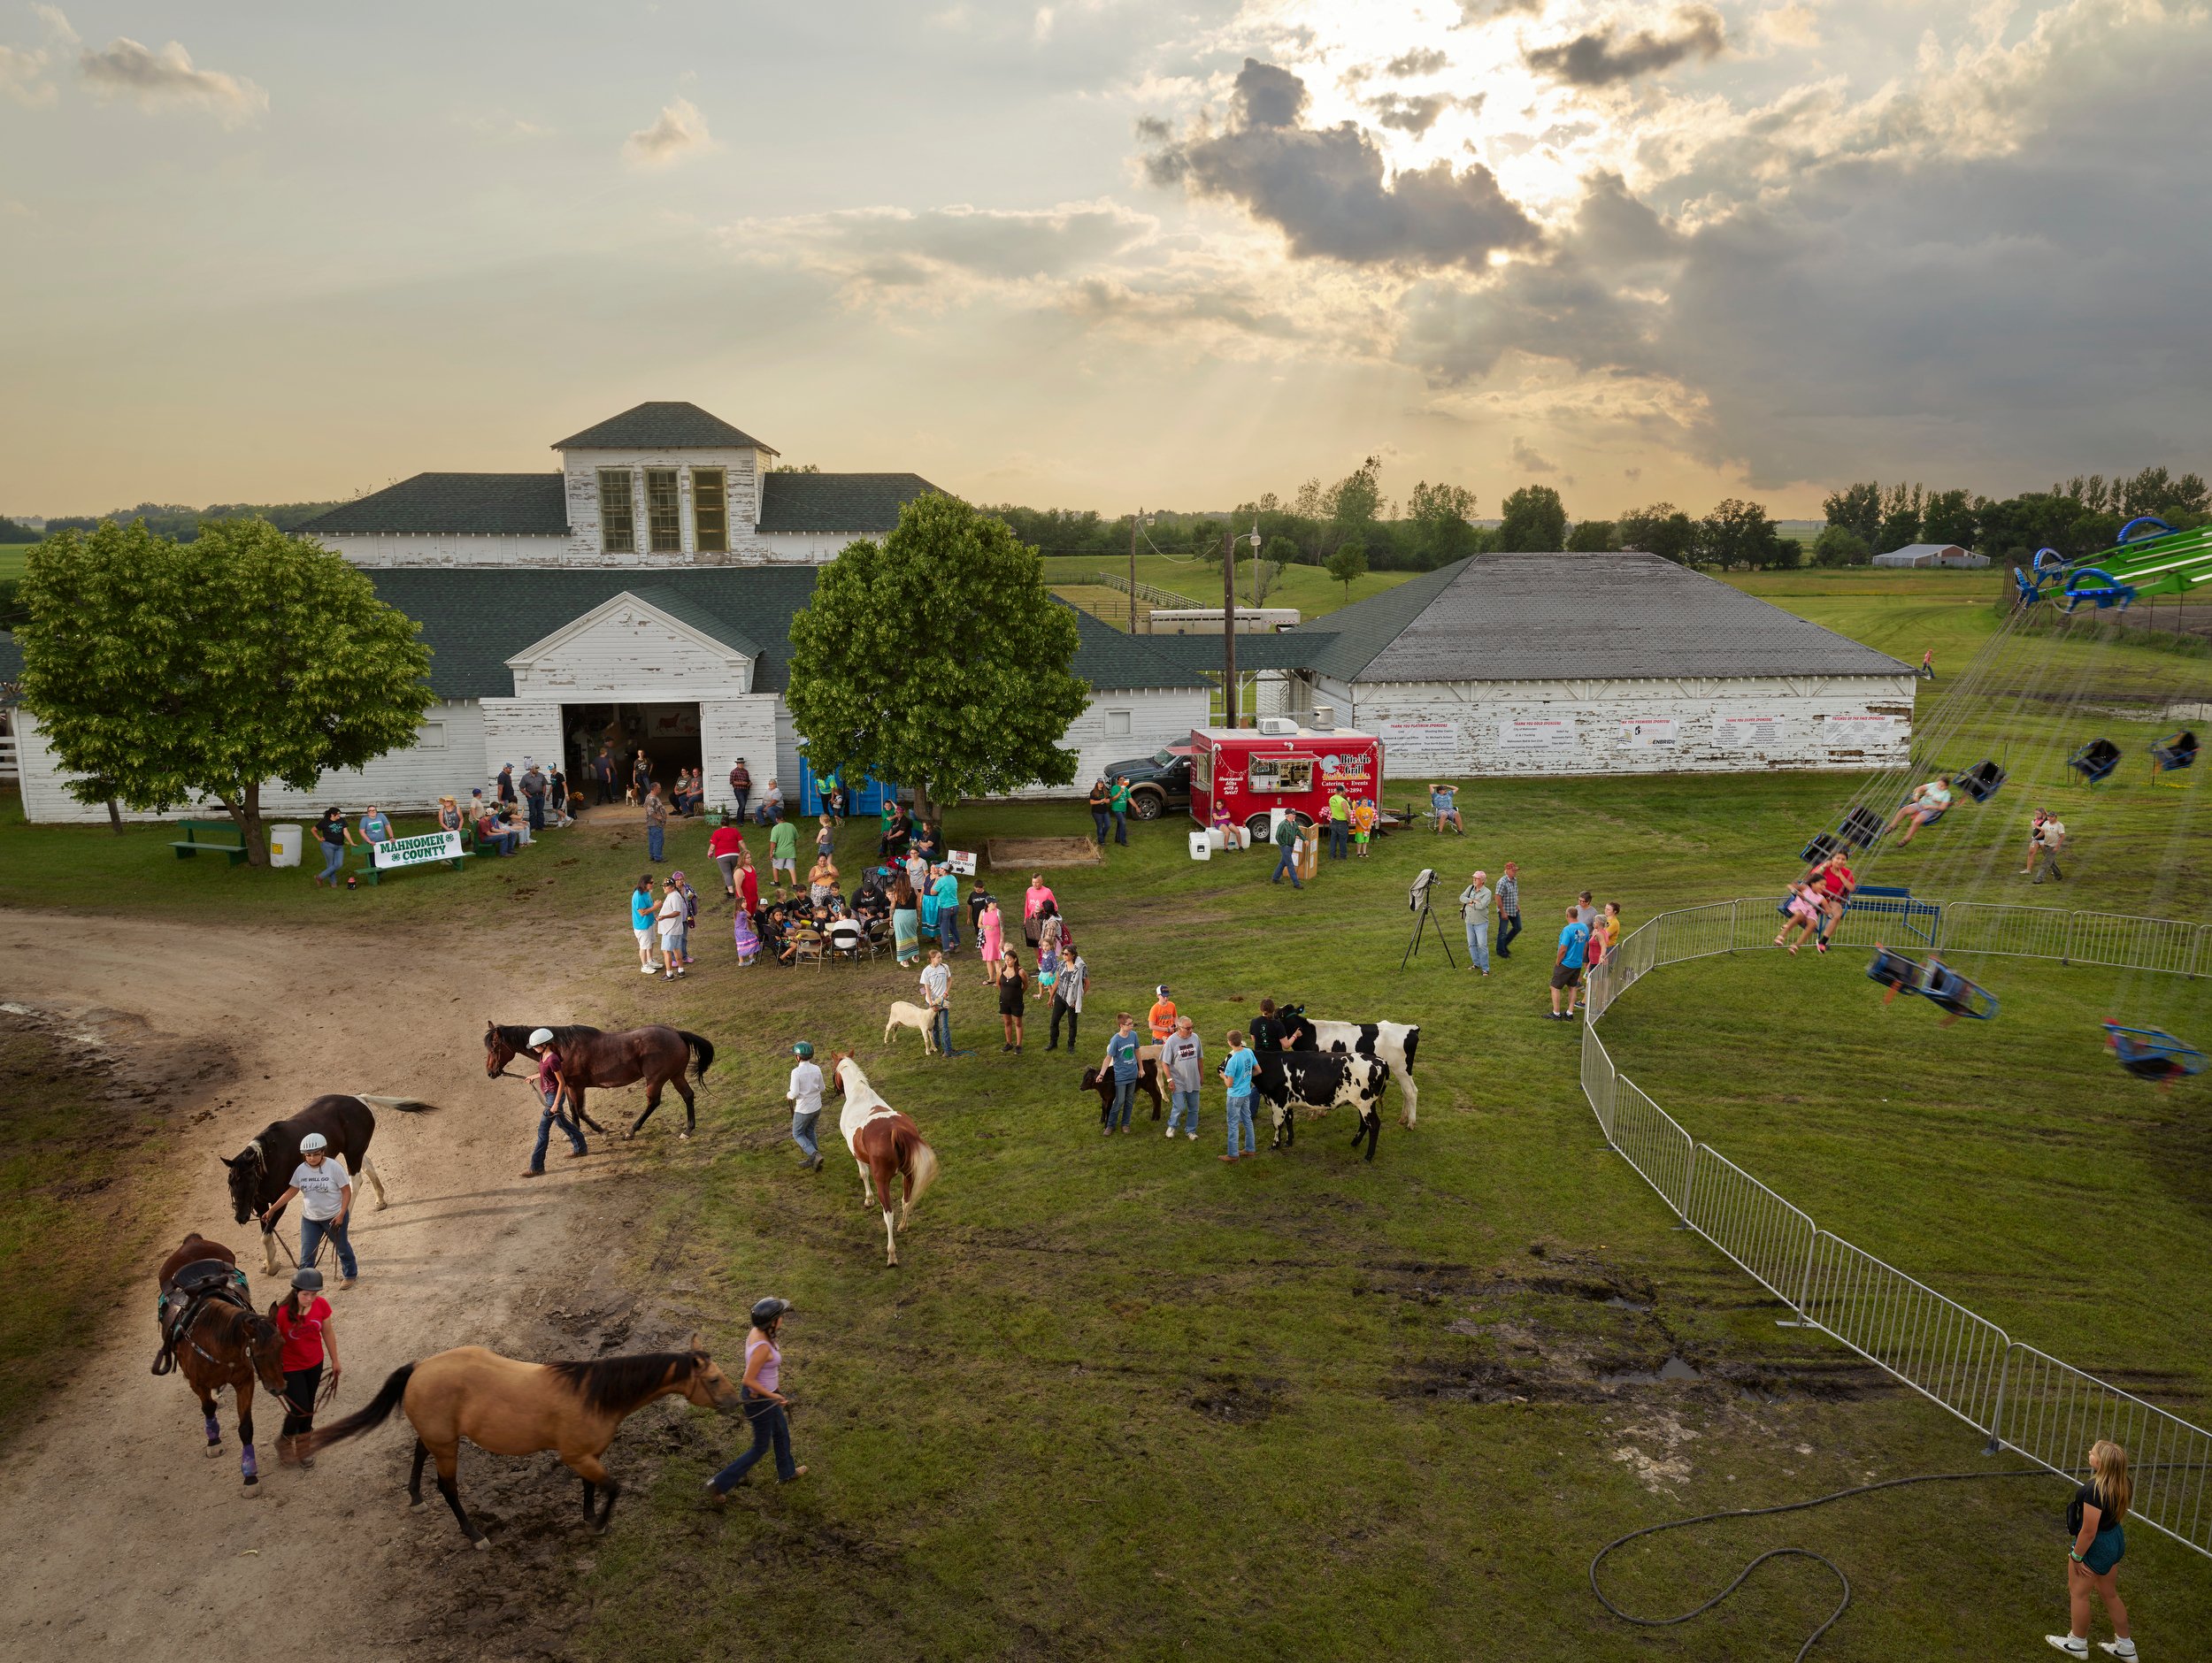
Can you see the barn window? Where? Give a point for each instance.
(1116, 722)
(711, 509)
(430, 737)
(663, 512)
(618, 519)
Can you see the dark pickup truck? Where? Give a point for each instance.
(1157, 783)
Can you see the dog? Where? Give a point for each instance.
(630, 796)
(906, 1016)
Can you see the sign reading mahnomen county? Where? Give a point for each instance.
(433, 846)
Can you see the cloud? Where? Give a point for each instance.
(56, 24)
(1528, 460)
(680, 132)
(1419, 113)
(875, 252)
(23, 76)
(1326, 189)
(1474, 12)
(168, 79)
(1420, 61)
(1602, 58)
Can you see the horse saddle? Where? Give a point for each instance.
(186, 1294)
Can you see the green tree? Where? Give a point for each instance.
(1533, 521)
(1858, 509)
(1739, 533)
(1348, 564)
(162, 674)
(1948, 518)
(1441, 516)
(892, 677)
(1840, 545)
(1354, 502)
(1592, 537)
(1900, 517)
(1661, 529)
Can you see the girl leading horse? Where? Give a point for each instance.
(590, 1057)
(215, 1339)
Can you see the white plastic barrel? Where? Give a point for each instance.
(284, 845)
(1201, 847)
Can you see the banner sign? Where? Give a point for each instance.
(1649, 733)
(1346, 771)
(1747, 732)
(961, 860)
(1536, 736)
(1422, 746)
(432, 845)
(1866, 731)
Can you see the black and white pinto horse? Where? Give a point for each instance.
(1391, 1044)
(1288, 1081)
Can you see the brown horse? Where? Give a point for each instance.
(518, 1408)
(263, 1169)
(590, 1057)
(216, 1339)
(885, 1145)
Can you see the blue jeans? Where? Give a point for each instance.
(1479, 944)
(949, 929)
(1121, 827)
(1289, 863)
(1241, 1121)
(941, 1025)
(1125, 1103)
(802, 1133)
(1508, 926)
(1339, 838)
(311, 1233)
(1183, 1103)
(547, 1120)
(653, 836)
(771, 1426)
(334, 857)
(537, 811)
(1101, 820)
(505, 841)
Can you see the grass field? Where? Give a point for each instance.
(1309, 588)
(13, 558)
(1123, 1400)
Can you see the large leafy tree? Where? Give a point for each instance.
(1858, 509)
(1661, 529)
(1739, 533)
(1348, 565)
(938, 659)
(1533, 521)
(163, 674)
(1442, 517)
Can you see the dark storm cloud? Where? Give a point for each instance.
(1604, 58)
(1327, 190)
(1415, 115)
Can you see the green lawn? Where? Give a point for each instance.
(14, 557)
(1309, 588)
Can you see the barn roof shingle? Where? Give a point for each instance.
(663, 424)
(837, 501)
(477, 504)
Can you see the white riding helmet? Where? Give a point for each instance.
(313, 1141)
(540, 1036)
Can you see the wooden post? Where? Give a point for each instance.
(1133, 523)
(1229, 628)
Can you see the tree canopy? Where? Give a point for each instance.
(1534, 521)
(1661, 529)
(161, 674)
(1348, 565)
(937, 659)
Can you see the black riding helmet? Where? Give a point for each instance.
(766, 1311)
(307, 1279)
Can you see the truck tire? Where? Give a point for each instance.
(1146, 803)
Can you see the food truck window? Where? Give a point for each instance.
(1282, 773)
(1201, 771)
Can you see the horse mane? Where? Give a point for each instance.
(614, 1385)
(517, 1035)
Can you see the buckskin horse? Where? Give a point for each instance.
(512, 1407)
(590, 1057)
(263, 1169)
(885, 1144)
(211, 1334)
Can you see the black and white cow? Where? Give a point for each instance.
(1391, 1044)
(1291, 1080)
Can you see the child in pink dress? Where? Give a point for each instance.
(992, 934)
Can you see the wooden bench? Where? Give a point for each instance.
(201, 834)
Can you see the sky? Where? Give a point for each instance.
(1108, 254)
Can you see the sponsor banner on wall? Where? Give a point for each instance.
(1421, 745)
(1548, 735)
(1868, 732)
(1649, 733)
(1747, 732)
(431, 845)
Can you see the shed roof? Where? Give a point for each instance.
(663, 424)
(1540, 617)
(1920, 550)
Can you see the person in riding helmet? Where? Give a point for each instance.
(765, 1405)
(303, 1317)
(804, 1094)
(325, 1192)
(552, 1088)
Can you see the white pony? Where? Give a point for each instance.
(885, 1144)
(907, 1015)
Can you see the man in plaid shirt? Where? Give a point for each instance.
(1508, 907)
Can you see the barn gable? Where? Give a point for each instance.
(647, 637)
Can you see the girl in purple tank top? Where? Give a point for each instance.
(766, 1405)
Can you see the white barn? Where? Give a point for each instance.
(1505, 664)
(645, 593)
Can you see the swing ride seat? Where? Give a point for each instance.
(1981, 781)
(1888, 901)
(1945, 988)
(1893, 969)
(2151, 1054)
(2095, 760)
(2174, 751)
(1861, 828)
(2094, 583)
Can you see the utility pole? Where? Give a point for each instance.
(1135, 522)
(1229, 627)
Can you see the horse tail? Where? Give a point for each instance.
(378, 1410)
(921, 1168)
(404, 1105)
(701, 1047)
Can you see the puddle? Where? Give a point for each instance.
(1673, 1370)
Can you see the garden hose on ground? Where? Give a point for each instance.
(1842, 1604)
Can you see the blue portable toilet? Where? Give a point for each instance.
(868, 796)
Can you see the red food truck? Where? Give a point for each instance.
(1279, 765)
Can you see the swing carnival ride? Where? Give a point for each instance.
(2020, 706)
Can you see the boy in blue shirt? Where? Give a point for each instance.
(1121, 1057)
(1566, 970)
(1237, 1069)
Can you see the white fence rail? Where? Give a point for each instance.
(2022, 1399)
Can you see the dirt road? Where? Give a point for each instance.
(123, 1539)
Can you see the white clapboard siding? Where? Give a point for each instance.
(627, 648)
(731, 728)
(515, 729)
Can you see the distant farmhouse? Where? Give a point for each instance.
(1930, 554)
(642, 594)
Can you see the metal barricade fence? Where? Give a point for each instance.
(2051, 1413)
(1696, 932)
(1749, 1222)
(2027, 932)
(1935, 1346)
(1598, 1078)
(2135, 943)
(1651, 1141)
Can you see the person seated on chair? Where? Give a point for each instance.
(1836, 881)
(448, 815)
(1926, 802)
(1804, 916)
(491, 834)
(1444, 804)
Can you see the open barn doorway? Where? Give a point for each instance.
(667, 734)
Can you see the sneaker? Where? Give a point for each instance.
(644, 970)
(2069, 1644)
(1170, 1131)
(1191, 1136)
(2117, 1648)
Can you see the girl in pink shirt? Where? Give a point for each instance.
(992, 930)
